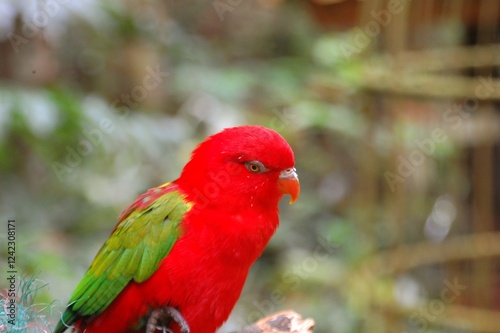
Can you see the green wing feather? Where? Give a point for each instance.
(144, 236)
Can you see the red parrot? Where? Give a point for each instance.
(180, 253)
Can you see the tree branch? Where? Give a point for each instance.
(287, 321)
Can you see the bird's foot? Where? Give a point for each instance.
(159, 319)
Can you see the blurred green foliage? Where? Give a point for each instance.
(81, 135)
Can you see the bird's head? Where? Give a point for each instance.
(241, 167)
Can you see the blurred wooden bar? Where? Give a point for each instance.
(410, 71)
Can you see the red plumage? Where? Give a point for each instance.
(234, 215)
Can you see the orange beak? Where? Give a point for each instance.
(288, 183)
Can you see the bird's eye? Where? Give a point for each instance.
(255, 167)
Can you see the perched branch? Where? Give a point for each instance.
(287, 321)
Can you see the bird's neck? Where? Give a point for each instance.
(239, 238)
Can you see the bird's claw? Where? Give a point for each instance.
(160, 318)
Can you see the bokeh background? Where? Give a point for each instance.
(391, 107)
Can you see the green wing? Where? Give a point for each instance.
(144, 236)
